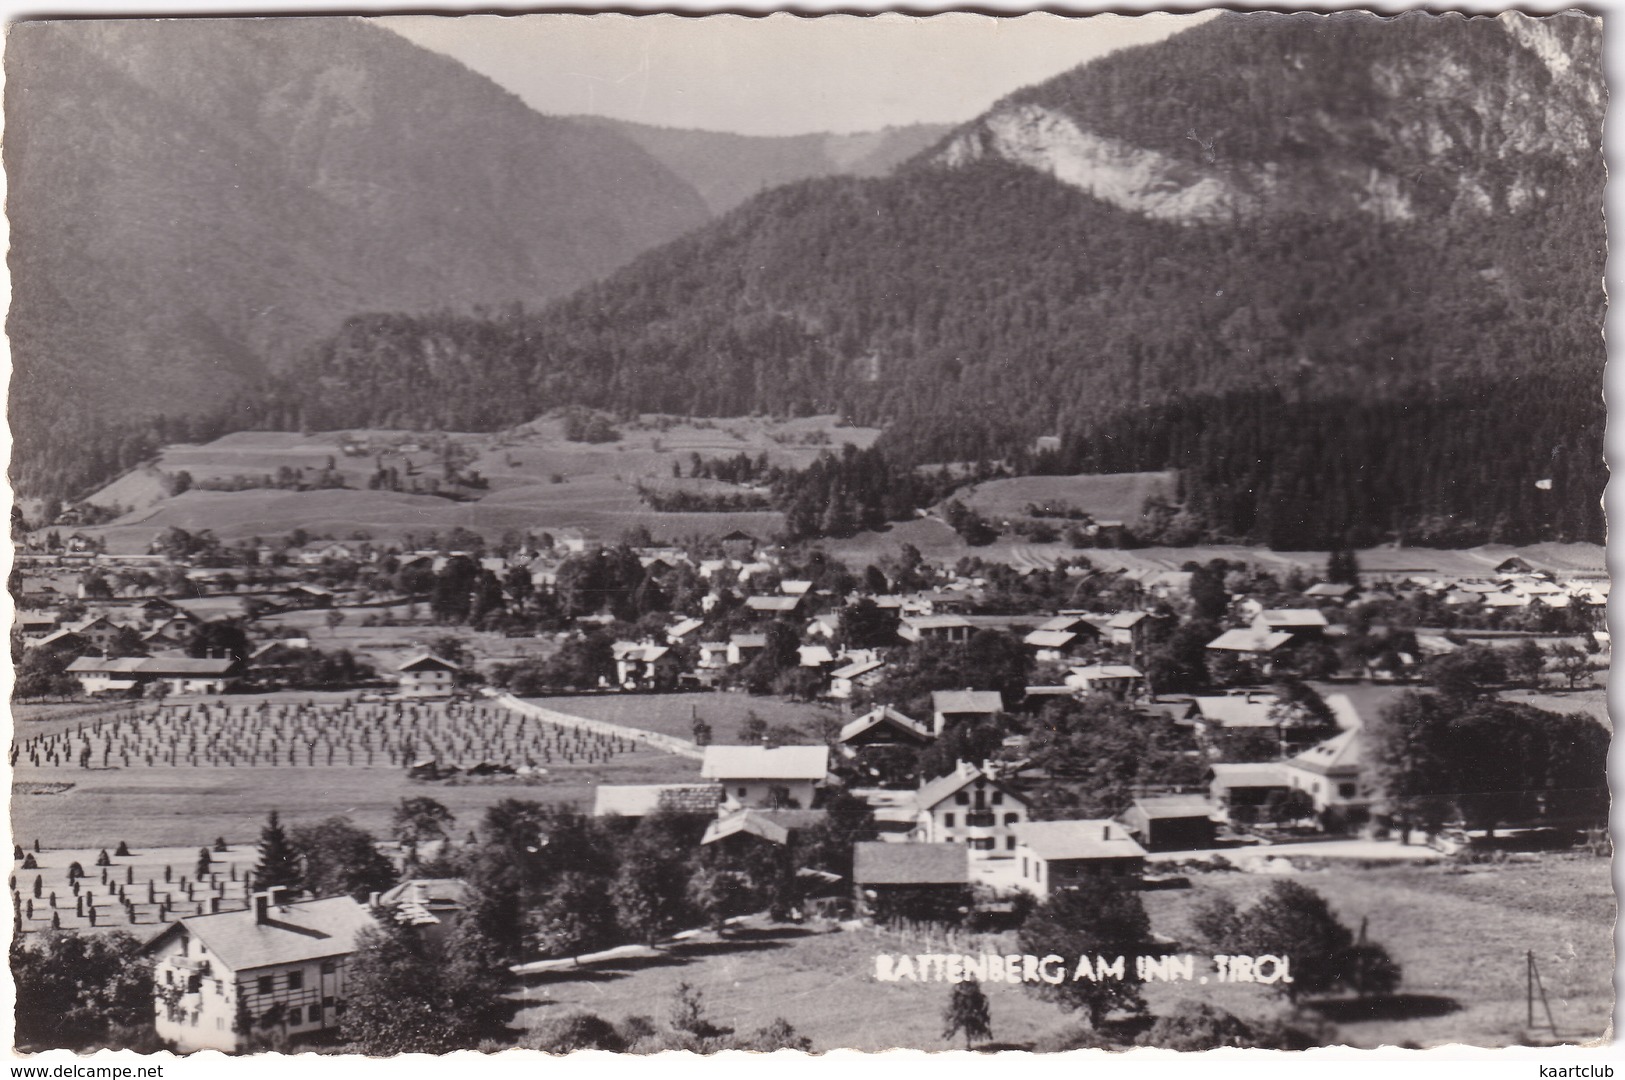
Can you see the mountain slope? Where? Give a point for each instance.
(194, 201)
(726, 169)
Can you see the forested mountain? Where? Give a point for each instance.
(726, 169)
(1344, 272)
(192, 201)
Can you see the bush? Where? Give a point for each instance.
(575, 1031)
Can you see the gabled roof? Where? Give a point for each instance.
(815, 655)
(684, 628)
(1050, 639)
(1285, 617)
(774, 826)
(1090, 672)
(1097, 838)
(1160, 807)
(765, 763)
(772, 603)
(313, 930)
(795, 588)
(1127, 620)
(1249, 641)
(158, 666)
(1248, 774)
(426, 661)
(1062, 622)
(856, 668)
(1237, 710)
(888, 716)
(935, 622)
(1340, 753)
(876, 862)
(934, 792)
(949, 702)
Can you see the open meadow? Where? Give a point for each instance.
(537, 481)
(673, 714)
(1458, 986)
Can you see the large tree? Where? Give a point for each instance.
(1433, 757)
(279, 860)
(410, 996)
(1100, 918)
(82, 991)
(341, 859)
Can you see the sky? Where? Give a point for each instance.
(778, 75)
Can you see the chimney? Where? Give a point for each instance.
(262, 903)
(1106, 831)
(372, 898)
(214, 905)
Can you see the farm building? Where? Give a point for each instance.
(855, 675)
(179, 674)
(284, 962)
(884, 726)
(427, 675)
(963, 706)
(1171, 822)
(432, 904)
(1121, 681)
(1299, 622)
(1055, 854)
(743, 828)
(1245, 787)
(780, 777)
(951, 628)
(969, 806)
(881, 870)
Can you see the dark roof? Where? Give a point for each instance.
(880, 863)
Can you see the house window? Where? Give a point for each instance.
(741, 793)
(1012, 819)
(1346, 790)
(1009, 843)
(963, 798)
(266, 983)
(315, 1014)
(329, 966)
(1024, 866)
(998, 798)
(947, 821)
(296, 980)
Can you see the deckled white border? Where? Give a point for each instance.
(1330, 1063)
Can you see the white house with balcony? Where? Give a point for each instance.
(282, 966)
(969, 806)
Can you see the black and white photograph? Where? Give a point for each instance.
(572, 532)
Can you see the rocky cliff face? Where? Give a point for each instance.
(1452, 120)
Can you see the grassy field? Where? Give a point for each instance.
(538, 481)
(1461, 986)
(672, 714)
(1107, 497)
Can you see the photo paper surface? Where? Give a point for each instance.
(638, 533)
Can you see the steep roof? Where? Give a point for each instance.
(1097, 838)
(765, 763)
(1340, 753)
(313, 930)
(875, 862)
(888, 716)
(424, 662)
(774, 826)
(935, 791)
